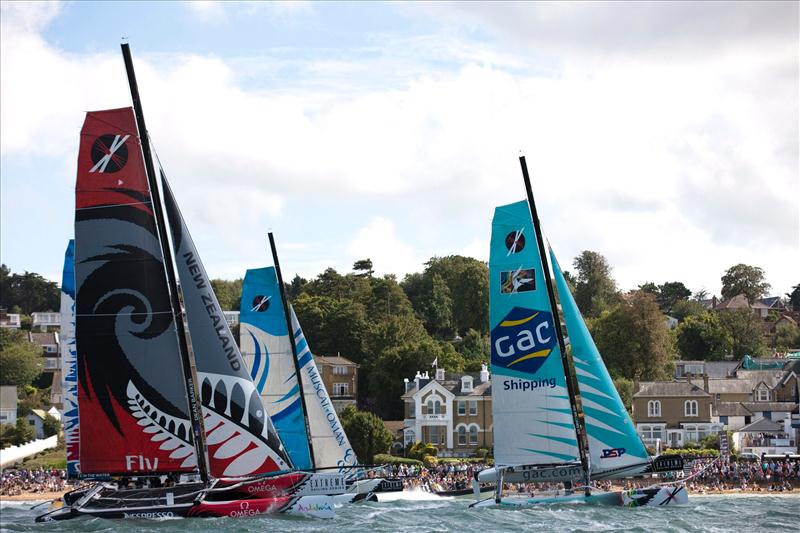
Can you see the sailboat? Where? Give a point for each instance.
(171, 422)
(291, 385)
(557, 415)
(69, 364)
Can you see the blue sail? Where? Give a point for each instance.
(265, 344)
(69, 364)
(614, 445)
(531, 409)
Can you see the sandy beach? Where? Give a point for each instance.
(32, 496)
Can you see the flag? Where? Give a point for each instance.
(435, 362)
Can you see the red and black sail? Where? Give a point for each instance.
(132, 394)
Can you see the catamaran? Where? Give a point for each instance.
(291, 385)
(171, 423)
(557, 415)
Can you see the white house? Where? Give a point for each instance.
(8, 404)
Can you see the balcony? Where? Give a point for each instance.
(430, 418)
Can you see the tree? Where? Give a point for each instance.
(624, 387)
(229, 293)
(633, 339)
(686, 308)
(51, 426)
(28, 291)
(595, 290)
(475, 350)
(295, 287)
(703, 337)
(745, 333)
(794, 298)
(670, 293)
(366, 432)
(744, 279)
(20, 360)
(363, 267)
(787, 336)
(23, 432)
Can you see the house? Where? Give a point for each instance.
(36, 419)
(10, 320)
(49, 342)
(765, 436)
(672, 413)
(46, 320)
(231, 317)
(713, 369)
(452, 411)
(8, 404)
(340, 376)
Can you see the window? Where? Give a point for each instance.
(466, 384)
(723, 420)
(654, 408)
(473, 435)
(718, 396)
(340, 370)
(435, 407)
(462, 435)
(690, 408)
(651, 432)
(763, 395)
(462, 407)
(340, 389)
(436, 434)
(473, 408)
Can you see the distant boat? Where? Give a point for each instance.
(557, 417)
(170, 420)
(291, 386)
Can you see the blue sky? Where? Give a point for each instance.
(662, 135)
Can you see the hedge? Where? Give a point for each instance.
(386, 459)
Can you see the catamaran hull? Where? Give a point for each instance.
(651, 496)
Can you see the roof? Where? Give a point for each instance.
(657, 389)
(452, 383)
(737, 302)
(726, 386)
(395, 426)
(720, 369)
(773, 407)
(772, 301)
(762, 425)
(8, 397)
(39, 412)
(43, 338)
(769, 377)
(334, 360)
(731, 409)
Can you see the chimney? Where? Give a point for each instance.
(484, 376)
(635, 384)
(417, 378)
(705, 382)
(406, 383)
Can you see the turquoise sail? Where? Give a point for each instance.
(614, 445)
(531, 409)
(267, 351)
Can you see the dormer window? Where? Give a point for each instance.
(440, 374)
(762, 394)
(466, 384)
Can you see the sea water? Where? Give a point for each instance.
(422, 512)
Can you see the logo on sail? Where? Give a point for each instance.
(523, 340)
(260, 303)
(519, 280)
(515, 242)
(109, 153)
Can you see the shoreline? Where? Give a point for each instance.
(33, 496)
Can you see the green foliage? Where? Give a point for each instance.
(363, 267)
(29, 292)
(420, 450)
(703, 337)
(624, 387)
(367, 433)
(51, 426)
(20, 360)
(385, 459)
(475, 350)
(634, 340)
(7, 432)
(686, 308)
(595, 290)
(229, 293)
(667, 294)
(745, 333)
(744, 279)
(787, 336)
(794, 298)
(692, 451)
(430, 461)
(710, 442)
(23, 432)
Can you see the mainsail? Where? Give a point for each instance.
(531, 407)
(69, 364)
(239, 433)
(265, 343)
(132, 396)
(614, 445)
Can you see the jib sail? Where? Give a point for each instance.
(69, 364)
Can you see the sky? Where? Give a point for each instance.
(662, 135)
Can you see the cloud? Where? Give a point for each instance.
(378, 241)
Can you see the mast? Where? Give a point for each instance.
(572, 389)
(289, 328)
(158, 213)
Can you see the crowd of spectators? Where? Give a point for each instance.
(16, 482)
(747, 475)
